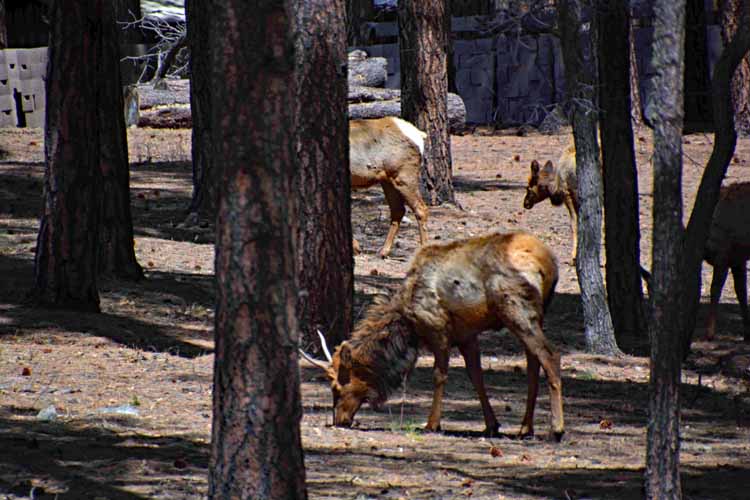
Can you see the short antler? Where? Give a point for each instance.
(325, 346)
(320, 364)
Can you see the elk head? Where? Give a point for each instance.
(348, 389)
(537, 189)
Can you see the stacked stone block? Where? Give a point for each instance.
(22, 94)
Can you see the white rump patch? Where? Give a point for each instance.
(413, 133)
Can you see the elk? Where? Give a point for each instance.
(451, 293)
(728, 247)
(389, 151)
(559, 184)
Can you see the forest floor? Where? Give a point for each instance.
(131, 387)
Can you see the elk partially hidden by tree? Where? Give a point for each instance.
(728, 247)
(452, 292)
(559, 184)
(389, 151)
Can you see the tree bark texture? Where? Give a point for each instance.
(423, 44)
(256, 449)
(731, 21)
(3, 26)
(666, 114)
(579, 80)
(116, 251)
(636, 107)
(198, 15)
(622, 233)
(358, 12)
(725, 139)
(65, 265)
(325, 262)
(697, 86)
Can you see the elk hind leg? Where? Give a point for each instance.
(439, 377)
(717, 284)
(410, 193)
(472, 358)
(739, 274)
(397, 208)
(532, 379)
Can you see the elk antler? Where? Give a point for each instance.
(320, 364)
(325, 347)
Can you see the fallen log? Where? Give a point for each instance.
(392, 107)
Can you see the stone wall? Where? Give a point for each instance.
(22, 97)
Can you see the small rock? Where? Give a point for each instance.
(47, 414)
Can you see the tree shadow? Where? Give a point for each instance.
(75, 459)
(463, 184)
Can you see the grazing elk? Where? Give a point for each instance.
(559, 184)
(728, 247)
(389, 151)
(451, 293)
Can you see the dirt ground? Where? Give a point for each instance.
(131, 387)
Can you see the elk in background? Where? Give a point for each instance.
(728, 247)
(389, 151)
(451, 293)
(559, 184)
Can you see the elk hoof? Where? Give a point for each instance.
(432, 428)
(557, 435)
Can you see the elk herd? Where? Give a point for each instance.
(454, 291)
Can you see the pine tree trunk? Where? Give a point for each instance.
(580, 78)
(621, 221)
(65, 266)
(636, 113)
(731, 13)
(117, 252)
(325, 264)
(358, 12)
(203, 202)
(3, 26)
(697, 101)
(423, 45)
(666, 114)
(256, 449)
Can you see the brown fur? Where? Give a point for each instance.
(559, 184)
(728, 247)
(451, 293)
(380, 152)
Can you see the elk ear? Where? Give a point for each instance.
(548, 167)
(534, 167)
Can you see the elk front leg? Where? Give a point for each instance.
(532, 388)
(396, 206)
(439, 376)
(472, 358)
(410, 193)
(717, 284)
(740, 288)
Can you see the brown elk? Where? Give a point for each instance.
(728, 247)
(451, 293)
(389, 151)
(559, 184)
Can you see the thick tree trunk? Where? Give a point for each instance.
(621, 222)
(325, 265)
(725, 139)
(636, 107)
(256, 448)
(580, 78)
(3, 26)
(117, 252)
(666, 114)
(423, 39)
(65, 266)
(731, 15)
(358, 12)
(204, 178)
(697, 101)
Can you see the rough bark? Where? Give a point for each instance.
(696, 79)
(725, 139)
(65, 265)
(3, 26)
(621, 221)
(636, 107)
(325, 262)
(423, 45)
(731, 14)
(662, 479)
(116, 251)
(203, 203)
(256, 449)
(580, 78)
